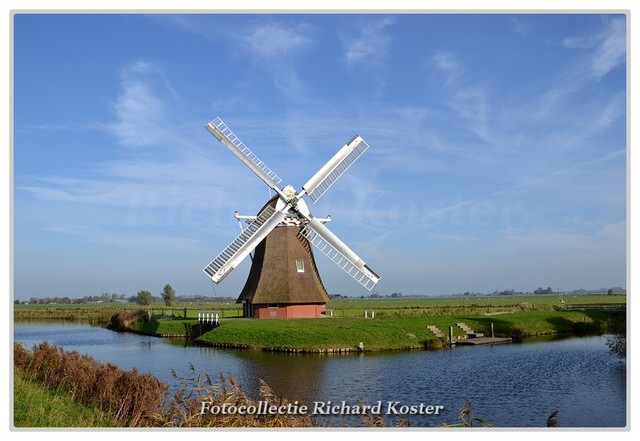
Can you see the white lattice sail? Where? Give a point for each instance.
(337, 165)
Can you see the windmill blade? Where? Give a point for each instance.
(223, 133)
(332, 170)
(336, 250)
(240, 248)
(339, 253)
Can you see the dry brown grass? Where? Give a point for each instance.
(185, 408)
(129, 396)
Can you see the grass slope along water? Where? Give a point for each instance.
(398, 324)
(385, 334)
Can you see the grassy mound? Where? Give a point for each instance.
(335, 334)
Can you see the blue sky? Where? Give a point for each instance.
(498, 153)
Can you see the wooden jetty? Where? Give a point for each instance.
(483, 341)
(471, 338)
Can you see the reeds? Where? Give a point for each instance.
(465, 415)
(200, 392)
(128, 396)
(136, 399)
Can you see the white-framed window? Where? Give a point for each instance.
(300, 265)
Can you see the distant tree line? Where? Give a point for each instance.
(543, 291)
(103, 298)
(375, 295)
(168, 296)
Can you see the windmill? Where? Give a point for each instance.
(283, 280)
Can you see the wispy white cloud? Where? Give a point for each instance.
(448, 64)
(273, 47)
(608, 48)
(520, 26)
(579, 42)
(573, 128)
(120, 239)
(371, 43)
(367, 43)
(182, 178)
(272, 41)
(154, 192)
(268, 42)
(139, 114)
(139, 110)
(615, 231)
(473, 105)
(612, 50)
(557, 240)
(195, 24)
(560, 124)
(612, 111)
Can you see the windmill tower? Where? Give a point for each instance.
(283, 281)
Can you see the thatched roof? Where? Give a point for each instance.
(274, 276)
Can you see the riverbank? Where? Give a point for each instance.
(344, 335)
(330, 335)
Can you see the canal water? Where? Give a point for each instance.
(508, 385)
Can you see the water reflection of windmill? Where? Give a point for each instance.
(284, 281)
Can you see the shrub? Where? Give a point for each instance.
(585, 328)
(433, 343)
(517, 335)
(120, 321)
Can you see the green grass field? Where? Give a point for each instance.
(348, 307)
(445, 305)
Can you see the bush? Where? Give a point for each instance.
(144, 297)
(168, 295)
(433, 343)
(120, 321)
(586, 328)
(517, 335)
